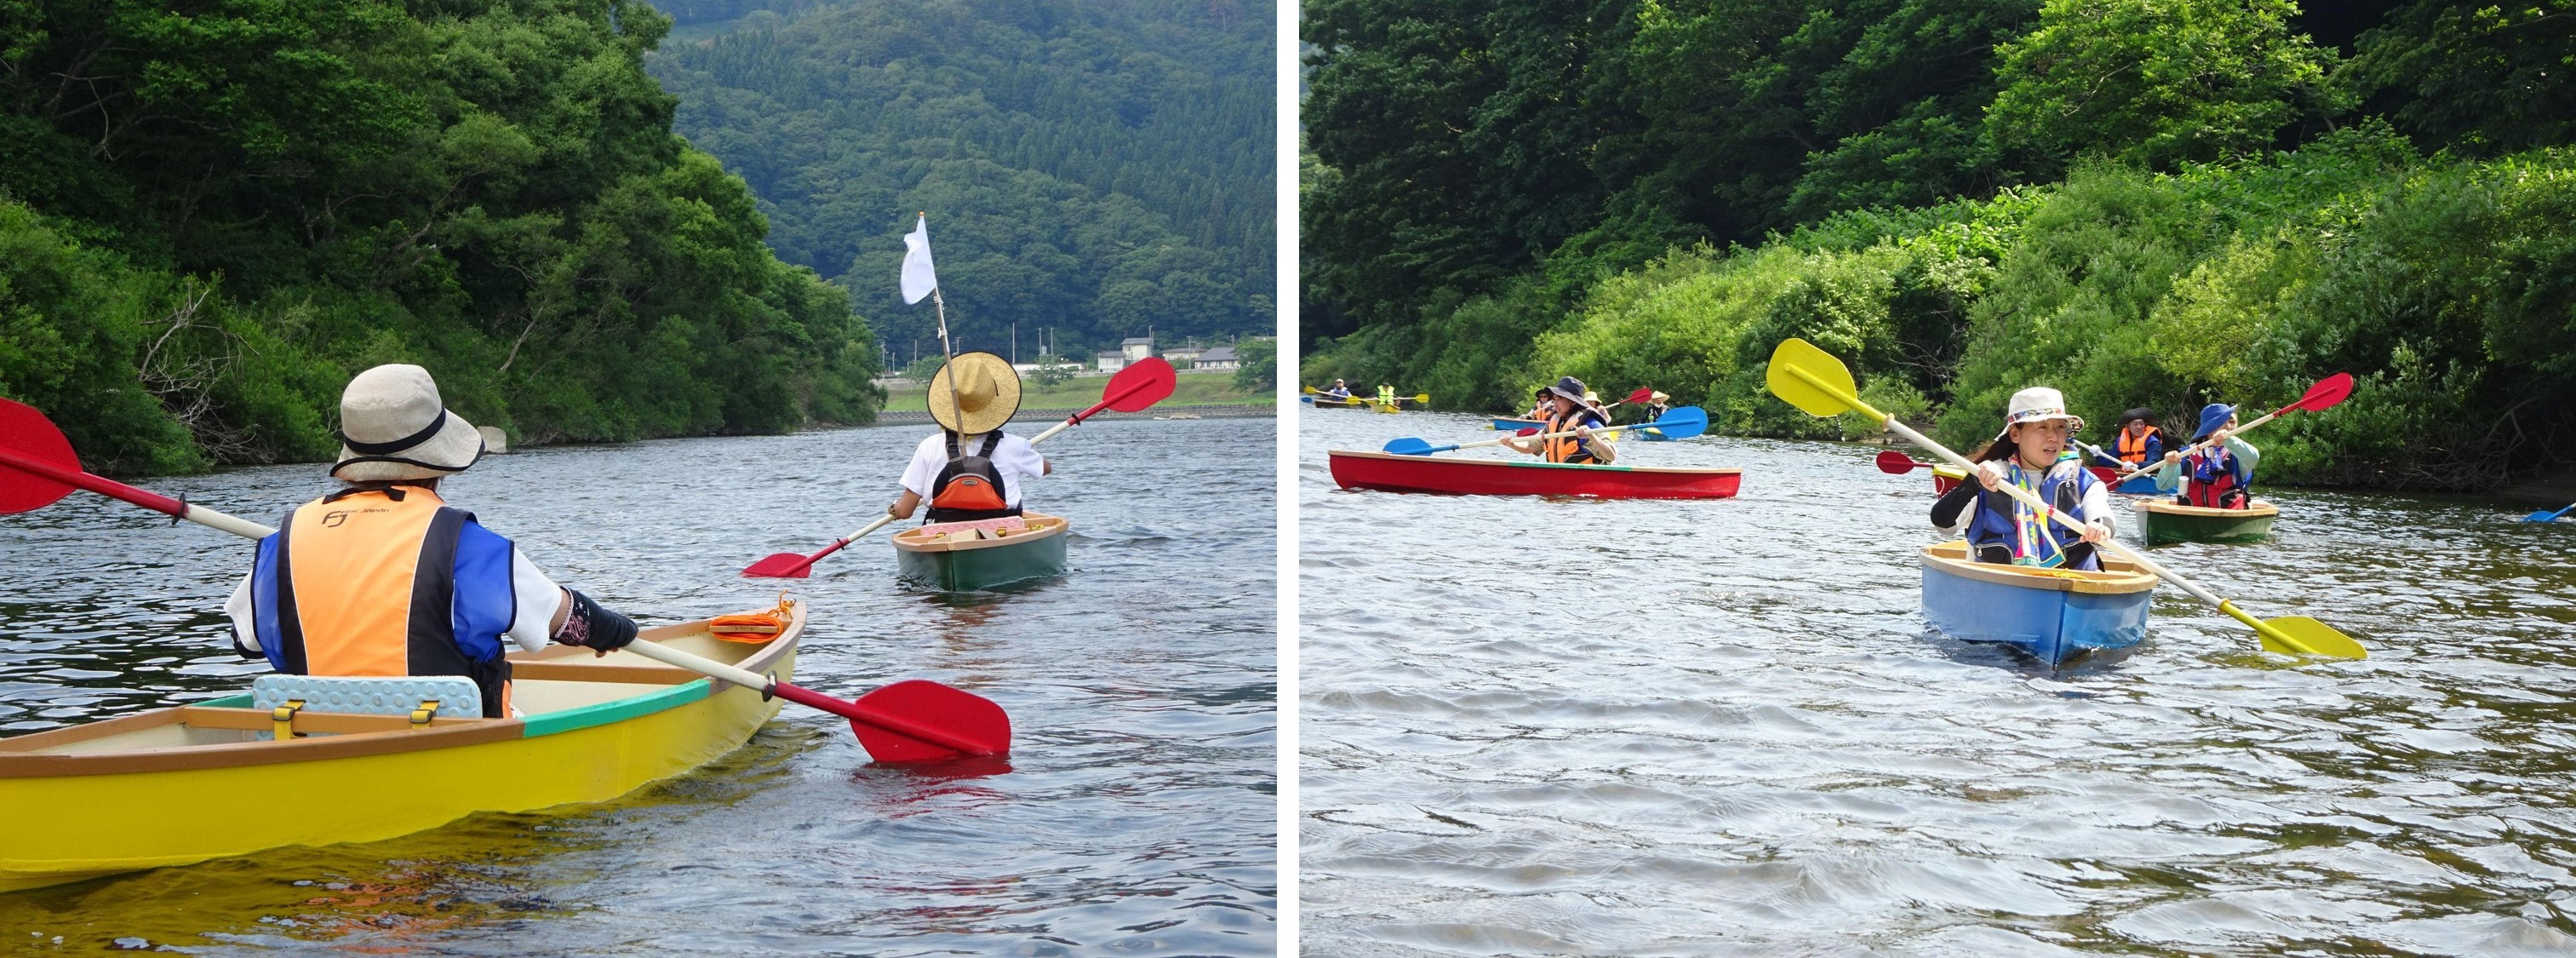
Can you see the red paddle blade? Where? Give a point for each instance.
(28, 433)
(1893, 462)
(2326, 393)
(1527, 431)
(971, 723)
(1140, 385)
(1641, 395)
(781, 565)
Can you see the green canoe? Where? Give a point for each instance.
(2163, 523)
(966, 556)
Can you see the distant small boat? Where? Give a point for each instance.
(1389, 472)
(2053, 614)
(1516, 425)
(2162, 523)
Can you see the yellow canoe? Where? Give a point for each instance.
(199, 782)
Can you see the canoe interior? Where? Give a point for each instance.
(2165, 522)
(129, 793)
(2054, 615)
(966, 565)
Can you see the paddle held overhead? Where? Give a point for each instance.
(1820, 385)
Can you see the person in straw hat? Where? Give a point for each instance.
(384, 578)
(2032, 452)
(972, 469)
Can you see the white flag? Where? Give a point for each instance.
(918, 280)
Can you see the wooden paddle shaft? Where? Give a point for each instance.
(855, 536)
(150, 500)
(1554, 435)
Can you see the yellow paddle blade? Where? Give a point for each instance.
(2300, 635)
(1826, 389)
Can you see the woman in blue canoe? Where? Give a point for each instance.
(2032, 452)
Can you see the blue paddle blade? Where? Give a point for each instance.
(1409, 446)
(2543, 516)
(1683, 423)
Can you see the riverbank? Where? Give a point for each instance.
(1214, 388)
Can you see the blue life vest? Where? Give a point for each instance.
(1997, 520)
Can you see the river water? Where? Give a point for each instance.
(1136, 814)
(1562, 726)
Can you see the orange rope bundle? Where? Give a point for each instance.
(754, 627)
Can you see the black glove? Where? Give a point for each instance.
(593, 627)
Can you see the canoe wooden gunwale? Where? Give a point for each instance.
(2118, 575)
(35, 756)
(1041, 526)
(2258, 509)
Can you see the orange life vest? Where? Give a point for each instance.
(1568, 448)
(2134, 451)
(386, 582)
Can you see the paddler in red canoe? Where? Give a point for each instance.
(2032, 452)
(972, 469)
(383, 578)
(2220, 476)
(1565, 411)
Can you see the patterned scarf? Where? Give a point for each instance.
(2032, 545)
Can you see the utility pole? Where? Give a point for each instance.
(1015, 342)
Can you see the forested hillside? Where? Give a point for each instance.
(1102, 168)
(2143, 202)
(212, 213)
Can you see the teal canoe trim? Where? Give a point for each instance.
(617, 711)
(241, 701)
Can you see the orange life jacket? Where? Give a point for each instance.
(386, 582)
(2134, 452)
(1568, 448)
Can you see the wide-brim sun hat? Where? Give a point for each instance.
(2038, 404)
(394, 426)
(2137, 414)
(987, 392)
(1568, 387)
(1658, 396)
(2213, 416)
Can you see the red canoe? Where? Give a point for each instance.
(1494, 477)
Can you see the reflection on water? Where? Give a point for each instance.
(1135, 814)
(1720, 727)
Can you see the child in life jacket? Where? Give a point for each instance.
(971, 469)
(2032, 452)
(2219, 476)
(2136, 443)
(1565, 411)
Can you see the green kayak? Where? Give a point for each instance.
(966, 556)
(2164, 523)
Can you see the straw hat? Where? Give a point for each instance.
(393, 426)
(988, 390)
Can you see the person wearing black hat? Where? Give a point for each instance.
(2137, 443)
(1567, 412)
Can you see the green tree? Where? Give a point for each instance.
(1259, 371)
(2156, 82)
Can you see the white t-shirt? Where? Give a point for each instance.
(536, 597)
(1013, 458)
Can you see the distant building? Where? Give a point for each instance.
(1112, 361)
(1217, 357)
(1183, 357)
(1136, 349)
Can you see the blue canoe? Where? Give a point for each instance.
(2053, 614)
(1515, 425)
